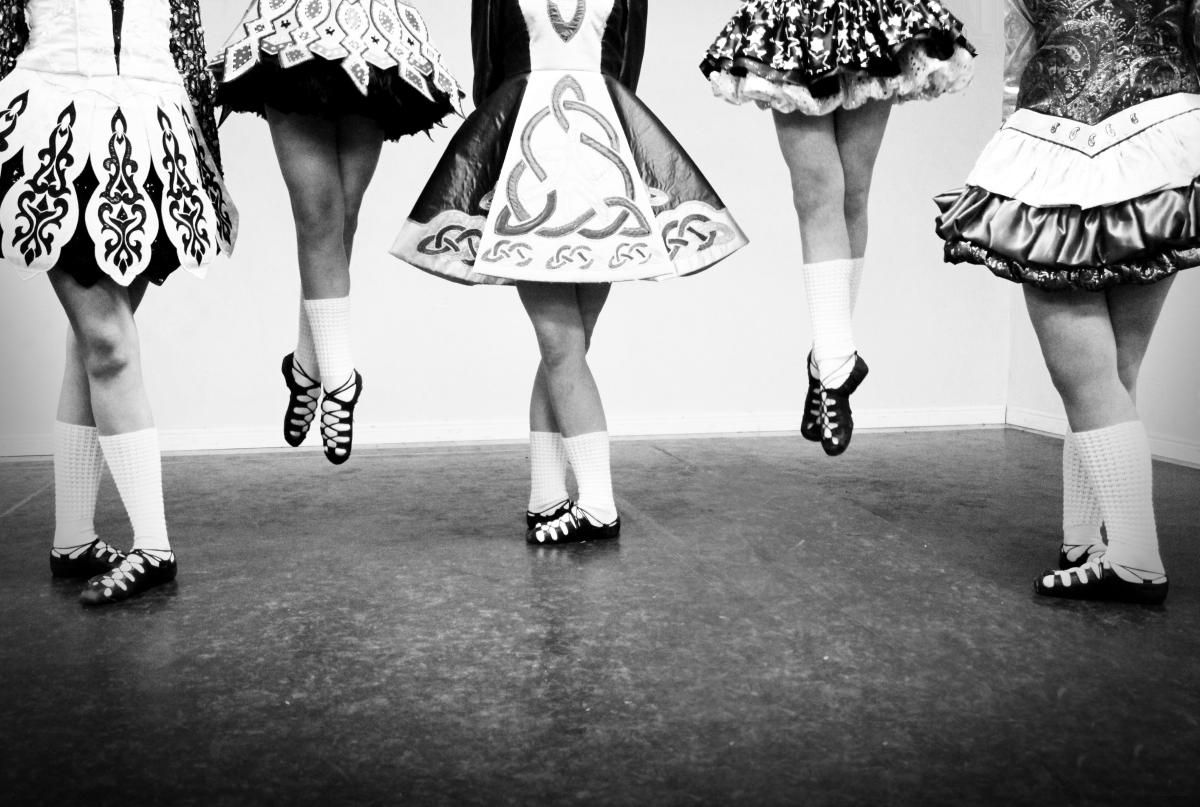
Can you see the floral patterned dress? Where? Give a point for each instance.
(561, 174)
(333, 58)
(815, 56)
(1094, 180)
(108, 151)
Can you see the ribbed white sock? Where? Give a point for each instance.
(135, 462)
(306, 352)
(590, 459)
(856, 273)
(329, 322)
(1081, 511)
(1117, 461)
(78, 466)
(827, 286)
(547, 471)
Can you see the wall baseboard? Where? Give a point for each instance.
(517, 429)
(1176, 451)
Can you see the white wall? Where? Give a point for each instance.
(723, 351)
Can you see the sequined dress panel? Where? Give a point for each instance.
(1094, 179)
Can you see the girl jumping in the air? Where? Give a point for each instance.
(830, 71)
(334, 79)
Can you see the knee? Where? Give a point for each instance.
(1128, 370)
(855, 201)
(561, 347)
(817, 194)
(107, 350)
(319, 217)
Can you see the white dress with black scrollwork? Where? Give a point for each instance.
(105, 167)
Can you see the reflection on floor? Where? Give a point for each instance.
(774, 627)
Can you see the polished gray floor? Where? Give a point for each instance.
(774, 627)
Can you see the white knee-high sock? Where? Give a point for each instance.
(547, 471)
(589, 457)
(1117, 460)
(1081, 511)
(306, 352)
(135, 462)
(78, 465)
(329, 321)
(856, 273)
(827, 285)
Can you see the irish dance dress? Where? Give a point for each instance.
(815, 56)
(1095, 179)
(108, 151)
(561, 174)
(333, 58)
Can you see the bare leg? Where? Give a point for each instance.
(359, 141)
(307, 149)
(810, 150)
(859, 136)
(1134, 313)
(106, 344)
(1077, 333)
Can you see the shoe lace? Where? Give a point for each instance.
(1092, 567)
(336, 424)
(558, 528)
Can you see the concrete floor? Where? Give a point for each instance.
(774, 627)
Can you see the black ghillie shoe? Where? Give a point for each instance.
(533, 519)
(84, 561)
(1072, 555)
(810, 423)
(302, 403)
(1098, 580)
(140, 571)
(337, 420)
(836, 418)
(571, 527)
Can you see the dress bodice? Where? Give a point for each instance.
(100, 38)
(512, 37)
(1094, 59)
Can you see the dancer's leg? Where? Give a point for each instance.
(1079, 343)
(563, 317)
(859, 136)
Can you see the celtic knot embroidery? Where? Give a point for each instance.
(183, 198)
(10, 116)
(694, 232)
(122, 209)
(453, 239)
(566, 30)
(43, 205)
(623, 215)
(571, 258)
(509, 252)
(630, 253)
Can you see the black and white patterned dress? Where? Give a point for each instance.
(561, 174)
(332, 58)
(815, 56)
(1094, 180)
(108, 152)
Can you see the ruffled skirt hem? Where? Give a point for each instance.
(323, 89)
(1142, 240)
(920, 77)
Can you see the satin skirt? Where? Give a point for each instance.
(1060, 204)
